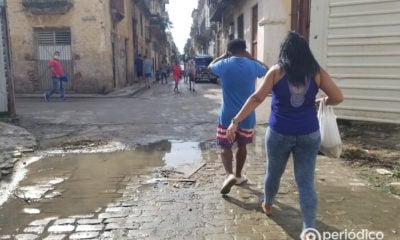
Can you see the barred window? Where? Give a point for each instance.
(53, 37)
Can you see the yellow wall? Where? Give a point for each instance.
(91, 28)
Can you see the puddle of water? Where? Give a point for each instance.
(185, 157)
(183, 153)
(76, 184)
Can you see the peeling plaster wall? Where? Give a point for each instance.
(90, 24)
(123, 40)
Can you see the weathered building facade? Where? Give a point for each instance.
(202, 29)
(262, 24)
(98, 41)
(150, 22)
(358, 42)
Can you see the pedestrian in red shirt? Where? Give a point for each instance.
(176, 74)
(57, 76)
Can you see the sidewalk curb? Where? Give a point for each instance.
(124, 93)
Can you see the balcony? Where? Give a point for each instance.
(216, 9)
(47, 7)
(155, 19)
(220, 7)
(203, 31)
(117, 9)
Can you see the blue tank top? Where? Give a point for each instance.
(293, 109)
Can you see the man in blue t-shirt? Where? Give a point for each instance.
(147, 71)
(238, 72)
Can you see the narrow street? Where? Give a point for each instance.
(149, 115)
(145, 166)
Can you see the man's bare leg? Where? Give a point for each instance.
(227, 159)
(241, 156)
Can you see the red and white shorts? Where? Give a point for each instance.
(242, 136)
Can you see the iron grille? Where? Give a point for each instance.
(61, 37)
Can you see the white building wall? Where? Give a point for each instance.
(245, 9)
(3, 79)
(358, 42)
(274, 24)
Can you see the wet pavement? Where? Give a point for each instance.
(169, 189)
(145, 194)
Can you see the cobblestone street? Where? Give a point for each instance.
(195, 209)
(117, 119)
(174, 210)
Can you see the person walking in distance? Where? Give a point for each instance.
(164, 71)
(185, 72)
(139, 67)
(192, 74)
(176, 74)
(293, 125)
(147, 70)
(57, 72)
(238, 72)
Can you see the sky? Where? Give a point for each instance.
(180, 14)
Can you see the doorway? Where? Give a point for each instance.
(301, 17)
(47, 41)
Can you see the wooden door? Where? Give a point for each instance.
(301, 17)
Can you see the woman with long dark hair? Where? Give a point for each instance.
(293, 125)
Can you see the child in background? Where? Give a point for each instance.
(176, 73)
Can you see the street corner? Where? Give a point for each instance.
(13, 138)
(14, 143)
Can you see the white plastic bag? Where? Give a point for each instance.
(331, 143)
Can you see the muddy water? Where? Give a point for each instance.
(78, 184)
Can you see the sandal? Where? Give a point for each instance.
(267, 209)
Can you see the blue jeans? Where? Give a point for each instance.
(57, 85)
(304, 149)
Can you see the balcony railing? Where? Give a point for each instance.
(117, 9)
(47, 6)
(218, 7)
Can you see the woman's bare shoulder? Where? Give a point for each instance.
(276, 72)
(275, 68)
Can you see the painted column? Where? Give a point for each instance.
(273, 26)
